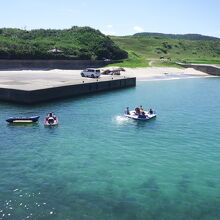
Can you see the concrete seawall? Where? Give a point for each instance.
(46, 94)
(209, 69)
(52, 64)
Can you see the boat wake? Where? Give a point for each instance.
(121, 119)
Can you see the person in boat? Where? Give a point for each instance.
(51, 118)
(51, 114)
(142, 110)
(127, 112)
(137, 111)
(151, 111)
(54, 116)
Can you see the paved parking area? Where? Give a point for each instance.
(37, 79)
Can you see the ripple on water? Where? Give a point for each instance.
(25, 205)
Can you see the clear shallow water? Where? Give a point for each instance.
(99, 165)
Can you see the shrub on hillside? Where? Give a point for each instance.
(75, 43)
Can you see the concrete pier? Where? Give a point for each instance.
(33, 87)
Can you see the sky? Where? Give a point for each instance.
(114, 17)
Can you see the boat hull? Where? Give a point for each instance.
(23, 119)
(55, 123)
(147, 116)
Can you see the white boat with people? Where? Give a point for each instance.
(51, 120)
(139, 114)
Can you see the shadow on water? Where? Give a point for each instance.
(213, 183)
(184, 184)
(150, 187)
(51, 126)
(113, 204)
(156, 205)
(143, 124)
(25, 125)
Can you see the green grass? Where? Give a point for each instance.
(131, 63)
(85, 43)
(142, 50)
(203, 61)
(135, 63)
(76, 43)
(166, 64)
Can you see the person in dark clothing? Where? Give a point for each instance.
(137, 111)
(127, 112)
(151, 111)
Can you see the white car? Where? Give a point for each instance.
(93, 73)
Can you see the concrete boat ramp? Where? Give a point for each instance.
(38, 86)
(206, 68)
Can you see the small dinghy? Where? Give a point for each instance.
(31, 119)
(141, 115)
(51, 120)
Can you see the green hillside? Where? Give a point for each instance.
(144, 49)
(178, 36)
(75, 43)
(147, 50)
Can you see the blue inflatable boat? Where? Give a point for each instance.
(145, 116)
(23, 119)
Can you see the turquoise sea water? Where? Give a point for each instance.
(98, 165)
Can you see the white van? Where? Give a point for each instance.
(93, 73)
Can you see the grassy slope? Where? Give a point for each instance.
(148, 49)
(87, 43)
(76, 43)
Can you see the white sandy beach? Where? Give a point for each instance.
(30, 79)
(162, 73)
(148, 73)
(145, 73)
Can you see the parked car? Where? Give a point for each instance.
(106, 72)
(116, 71)
(89, 72)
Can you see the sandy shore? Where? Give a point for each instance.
(142, 74)
(162, 73)
(150, 73)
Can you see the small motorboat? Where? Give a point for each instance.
(23, 119)
(51, 121)
(143, 116)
